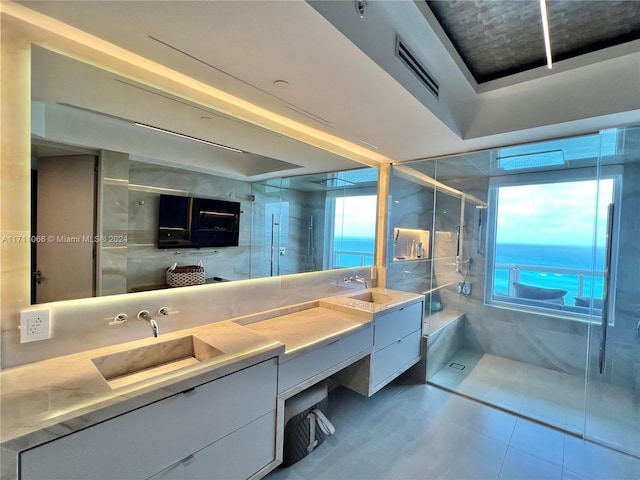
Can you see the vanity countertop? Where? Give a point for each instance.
(305, 328)
(44, 400)
(384, 300)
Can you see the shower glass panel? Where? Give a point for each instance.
(518, 289)
(313, 222)
(613, 369)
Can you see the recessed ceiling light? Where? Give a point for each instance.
(281, 84)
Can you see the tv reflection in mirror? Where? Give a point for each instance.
(190, 222)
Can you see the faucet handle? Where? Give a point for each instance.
(119, 319)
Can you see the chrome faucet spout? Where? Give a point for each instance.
(155, 328)
(144, 315)
(356, 279)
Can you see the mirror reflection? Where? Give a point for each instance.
(98, 178)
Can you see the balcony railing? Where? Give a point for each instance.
(351, 258)
(515, 271)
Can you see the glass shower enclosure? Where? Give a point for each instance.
(531, 277)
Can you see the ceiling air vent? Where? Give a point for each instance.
(409, 59)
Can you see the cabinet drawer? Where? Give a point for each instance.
(397, 324)
(308, 365)
(236, 456)
(141, 443)
(396, 357)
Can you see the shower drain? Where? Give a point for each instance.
(457, 366)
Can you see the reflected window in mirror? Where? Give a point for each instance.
(354, 230)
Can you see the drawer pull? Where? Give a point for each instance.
(189, 392)
(335, 341)
(185, 461)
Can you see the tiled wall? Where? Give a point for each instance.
(293, 210)
(79, 325)
(146, 264)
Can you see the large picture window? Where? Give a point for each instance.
(547, 242)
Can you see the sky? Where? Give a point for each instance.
(356, 216)
(553, 213)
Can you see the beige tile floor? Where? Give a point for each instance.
(410, 430)
(548, 396)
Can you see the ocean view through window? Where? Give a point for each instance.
(548, 240)
(354, 231)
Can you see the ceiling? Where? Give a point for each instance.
(498, 38)
(344, 83)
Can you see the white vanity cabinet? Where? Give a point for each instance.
(312, 366)
(222, 429)
(397, 339)
(397, 343)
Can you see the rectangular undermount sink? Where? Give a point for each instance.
(374, 297)
(131, 366)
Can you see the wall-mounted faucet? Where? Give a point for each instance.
(144, 315)
(356, 279)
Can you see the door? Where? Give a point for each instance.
(65, 206)
(612, 413)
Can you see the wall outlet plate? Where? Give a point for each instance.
(35, 325)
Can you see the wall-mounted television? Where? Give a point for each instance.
(190, 222)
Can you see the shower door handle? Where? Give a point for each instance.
(602, 358)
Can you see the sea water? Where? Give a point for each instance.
(358, 251)
(552, 256)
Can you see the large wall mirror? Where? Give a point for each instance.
(99, 174)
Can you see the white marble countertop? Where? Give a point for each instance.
(306, 328)
(385, 300)
(45, 400)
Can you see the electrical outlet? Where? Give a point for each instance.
(35, 325)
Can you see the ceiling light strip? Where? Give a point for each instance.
(188, 137)
(545, 31)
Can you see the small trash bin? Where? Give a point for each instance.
(305, 423)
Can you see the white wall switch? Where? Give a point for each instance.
(35, 325)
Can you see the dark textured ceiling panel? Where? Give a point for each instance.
(496, 38)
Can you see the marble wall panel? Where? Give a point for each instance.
(79, 325)
(146, 264)
(113, 223)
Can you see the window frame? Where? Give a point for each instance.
(532, 178)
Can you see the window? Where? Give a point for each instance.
(352, 227)
(547, 241)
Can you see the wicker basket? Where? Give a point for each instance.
(185, 275)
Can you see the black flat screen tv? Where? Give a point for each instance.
(190, 222)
